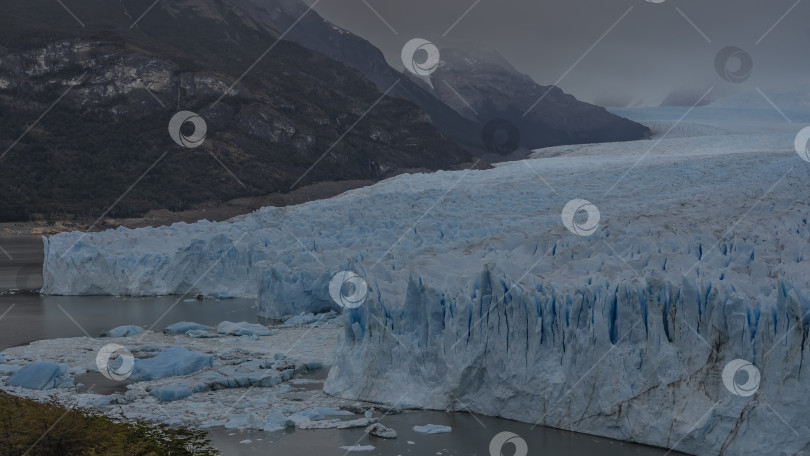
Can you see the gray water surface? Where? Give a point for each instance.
(471, 435)
(31, 317)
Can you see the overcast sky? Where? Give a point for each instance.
(652, 50)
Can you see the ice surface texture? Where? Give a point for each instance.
(124, 331)
(169, 363)
(182, 327)
(480, 299)
(41, 376)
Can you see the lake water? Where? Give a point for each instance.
(27, 317)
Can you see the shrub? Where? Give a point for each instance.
(45, 429)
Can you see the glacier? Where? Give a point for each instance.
(481, 300)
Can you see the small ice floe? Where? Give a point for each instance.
(432, 429)
(124, 331)
(242, 329)
(171, 362)
(357, 448)
(182, 327)
(42, 375)
(336, 424)
(378, 430)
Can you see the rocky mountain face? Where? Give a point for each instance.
(484, 78)
(314, 32)
(482, 86)
(108, 89)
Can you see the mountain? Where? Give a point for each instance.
(108, 89)
(482, 85)
(496, 89)
(318, 34)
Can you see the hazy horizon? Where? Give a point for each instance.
(651, 50)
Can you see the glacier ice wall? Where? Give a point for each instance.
(637, 360)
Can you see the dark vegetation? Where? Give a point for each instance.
(48, 429)
(95, 143)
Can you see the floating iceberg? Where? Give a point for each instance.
(42, 375)
(384, 432)
(337, 424)
(184, 326)
(433, 429)
(124, 331)
(171, 362)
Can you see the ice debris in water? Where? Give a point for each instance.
(432, 429)
(184, 326)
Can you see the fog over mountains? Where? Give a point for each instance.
(650, 52)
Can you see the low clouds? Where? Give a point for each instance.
(625, 49)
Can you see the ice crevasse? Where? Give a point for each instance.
(481, 300)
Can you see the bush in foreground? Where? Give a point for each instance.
(45, 429)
